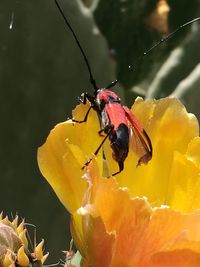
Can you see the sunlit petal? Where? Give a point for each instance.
(147, 216)
(63, 155)
(171, 129)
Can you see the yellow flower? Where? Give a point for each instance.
(146, 216)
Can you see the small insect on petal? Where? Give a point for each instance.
(116, 121)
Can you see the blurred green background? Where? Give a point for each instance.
(42, 73)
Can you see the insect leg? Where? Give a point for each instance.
(101, 144)
(121, 167)
(85, 118)
(100, 132)
(83, 100)
(106, 129)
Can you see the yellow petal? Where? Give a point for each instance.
(22, 258)
(193, 151)
(184, 181)
(44, 257)
(171, 129)
(8, 260)
(60, 159)
(20, 228)
(39, 250)
(5, 221)
(15, 221)
(23, 238)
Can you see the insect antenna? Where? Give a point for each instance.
(112, 84)
(92, 80)
(163, 40)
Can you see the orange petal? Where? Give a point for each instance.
(139, 232)
(177, 258)
(99, 242)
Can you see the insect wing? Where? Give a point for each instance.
(139, 141)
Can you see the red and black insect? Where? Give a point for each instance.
(117, 121)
